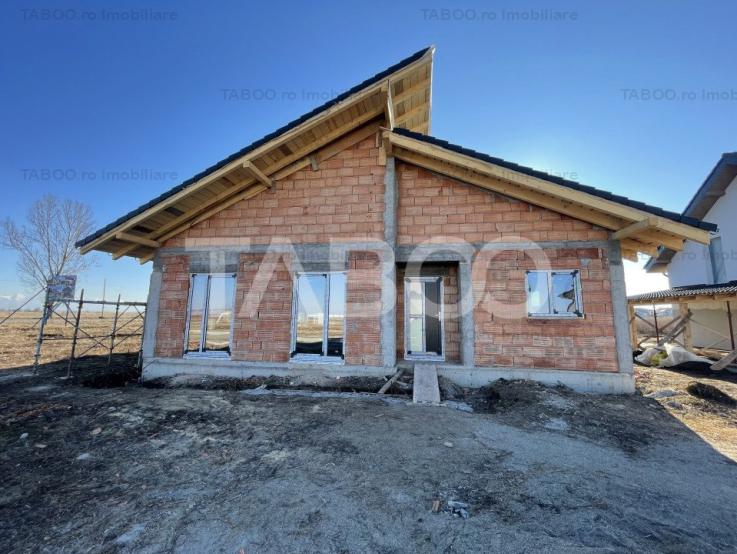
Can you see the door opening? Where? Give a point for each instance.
(423, 318)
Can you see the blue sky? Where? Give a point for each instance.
(610, 95)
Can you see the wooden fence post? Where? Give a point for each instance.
(655, 319)
(687, 335)
(76, 331)
(633, 326)
(112, 335)
(40, 339)
(731, 325)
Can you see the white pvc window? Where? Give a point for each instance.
(554, 294)
(209, 330)
(318, 317)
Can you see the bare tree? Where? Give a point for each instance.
(45, 243)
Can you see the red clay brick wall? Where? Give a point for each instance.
(363, 310)
(172, 307)
(451, 321)
(342, 200)
(505, 336)
(263, 307)
(431, 205)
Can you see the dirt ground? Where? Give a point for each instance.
(129, 468)
(715, 422)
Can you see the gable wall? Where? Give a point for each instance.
(432, 205)
(343, 200)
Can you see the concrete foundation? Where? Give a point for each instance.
(581, 381)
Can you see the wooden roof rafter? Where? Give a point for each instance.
(639, 231)
(265, 163)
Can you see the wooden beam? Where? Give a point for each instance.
(258, 174)
(634, 228)
(386, 386)
(330, 150)
(389, 106)
(245, 195)
(637, 246)
(186, 216)
(661, 239)
(138, 240)
(633, 326)
(687, 334)
(724, 362)
(630, 255)
(147, 258)
(626, 213)
(520, 193)
(327, 152)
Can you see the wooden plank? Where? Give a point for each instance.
(389, 107)
(677, 330)
(129, 237)
(258, 174)
(391, 381)
(411, 91)
(406, 116)
(634, 228)
(687, 334)
(633, 325)
(724, 362)
(637, 246)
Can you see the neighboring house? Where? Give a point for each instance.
(350, 241)
(707, 273)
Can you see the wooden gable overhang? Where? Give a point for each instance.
(639, 227)
(398, 96)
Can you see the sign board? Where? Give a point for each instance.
(61, 288)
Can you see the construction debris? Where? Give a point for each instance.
(391, 381)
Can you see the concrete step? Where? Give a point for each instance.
(425, 389)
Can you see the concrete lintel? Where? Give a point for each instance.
(464, 251)
(435, 252)
(534, 245)
(151, 319)
(307, 250)
(620, 312)
(216, 261)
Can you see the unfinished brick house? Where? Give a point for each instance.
(350, 241)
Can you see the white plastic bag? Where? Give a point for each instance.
(678, 355)
(647, 355)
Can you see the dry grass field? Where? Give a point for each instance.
(18, 336)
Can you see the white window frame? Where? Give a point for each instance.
(578, 314)
(441, 315)
(201, 353)
(317, 358)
